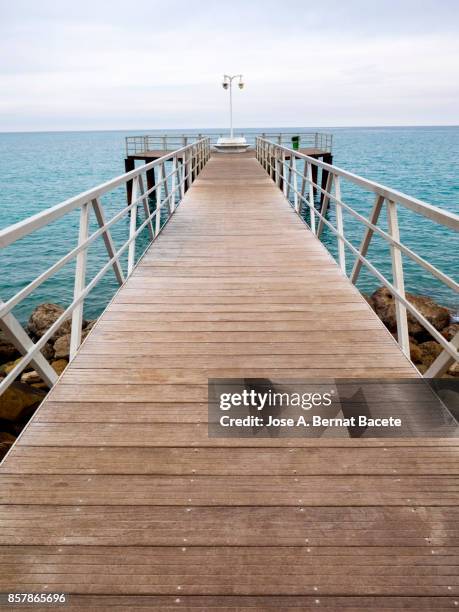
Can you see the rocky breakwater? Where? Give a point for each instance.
(22, 398)
(423, 348)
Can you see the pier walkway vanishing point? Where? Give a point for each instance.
(115, 494)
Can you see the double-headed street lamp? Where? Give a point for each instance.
(228, 84)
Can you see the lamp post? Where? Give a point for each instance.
(228, 84)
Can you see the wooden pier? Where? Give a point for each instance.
(150, 148)
(116, 495)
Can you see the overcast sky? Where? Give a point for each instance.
(114, 64)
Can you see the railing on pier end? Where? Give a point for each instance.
(170, 187)
(294, 174)
(164, 142)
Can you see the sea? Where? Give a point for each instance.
(41, 169)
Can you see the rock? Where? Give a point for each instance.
(8, 351)
(31, 377)
(59, 365)
(62, 345)
(43, 317)
(422, 368)
(368, 299)
(48, 351)
(90, 325)
(17, 399)
(450, 331)
(6, 441)
(454, 370)
(415, 353)
(384, 305)
(40, 385)
(7, 367)
(430, 351)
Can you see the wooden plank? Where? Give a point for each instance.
(94, 348)
(304, 337)
(262, 461)
(230, 326)
(200, 375)
(244, 570)
(214, 490)
(228, 526)
(224, 603)
(167, 412)
(186, 435)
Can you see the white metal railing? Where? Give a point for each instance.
(169, 188)
(293, 172)
(141, 144)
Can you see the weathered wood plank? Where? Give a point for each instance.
(272, 603)
(228, 526)
(262, 461)
(214, 490)
(187, 435)
(242, 570)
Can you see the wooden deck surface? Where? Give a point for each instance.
(156, 153)
(115, 494)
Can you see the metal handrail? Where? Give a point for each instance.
(144, 143)
(186, 164)
(281, 164)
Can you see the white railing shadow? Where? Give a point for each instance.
(169, 189)
(280, 163)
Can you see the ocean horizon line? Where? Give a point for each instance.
(226, 129)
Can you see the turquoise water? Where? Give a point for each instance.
(38, 170)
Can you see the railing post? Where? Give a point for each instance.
(159, 197)
(398, 280)
(80, 282)
(146, 207)
(181, 176)
(325, 202)
(277, 167)
(340, 225)
(187, 160)
(296, 199)
(312, 210)
(107, 237)
(284, 174)
(133, 226)
(166, 186)
(289, 176)
(192, 164)
(174, 184)
(367, 236)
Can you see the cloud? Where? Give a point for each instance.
(102, 65)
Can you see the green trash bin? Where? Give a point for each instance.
(295, 142)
